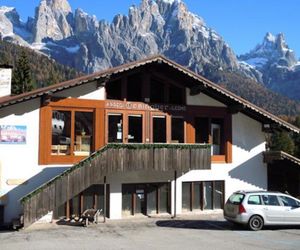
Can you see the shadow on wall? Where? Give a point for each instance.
(14, 207)
(252, 172)
(248, 143)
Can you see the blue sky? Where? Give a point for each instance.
(242, 23)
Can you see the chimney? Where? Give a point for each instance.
(5, 80)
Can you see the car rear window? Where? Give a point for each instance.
(236, 198)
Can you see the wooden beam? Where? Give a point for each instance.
(235, 108)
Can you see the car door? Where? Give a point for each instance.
(273, 210)
(291, 209)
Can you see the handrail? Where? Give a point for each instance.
(112, 146)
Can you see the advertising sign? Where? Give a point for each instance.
(5, 82)
(11, 134)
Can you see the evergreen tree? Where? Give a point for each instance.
(21, 80)
(282, 141)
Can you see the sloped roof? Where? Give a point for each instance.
(247, 107)
(280, 155)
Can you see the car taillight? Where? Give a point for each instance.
(241, 209)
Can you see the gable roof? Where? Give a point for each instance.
(207, 87)
(271, 156)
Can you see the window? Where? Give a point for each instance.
(114, 90)
(63, 143)
(159, 129)
(217, 137)
(135, 128)
(115, 128)
(134, 88)
(202, 195)
(157, 91)
(218, 194)
(288, 202)
(236, 198)
(186, 196)
(176, 95)
(202, 128)
(83, 133)
(254, 200)
(146, 198)
(207, 195)
(211, 130)
(61, 133)
(177, 130)
(270, 200)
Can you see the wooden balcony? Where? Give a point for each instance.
(111, 159)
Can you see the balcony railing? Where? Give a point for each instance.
(110, 159)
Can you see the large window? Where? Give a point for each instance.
(205, 195)
(61, 133)
(211, 130)
(147, 198)
(72, 133)
(92, 197)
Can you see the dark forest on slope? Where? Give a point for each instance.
(44, 71)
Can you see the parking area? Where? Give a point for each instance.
(185, 232)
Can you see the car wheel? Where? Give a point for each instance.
(256, 223)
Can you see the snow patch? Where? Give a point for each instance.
(72, 50)
(5, 9)
(171, 1)
(257, 61)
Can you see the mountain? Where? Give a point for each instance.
(163, 27)
(277, 64)
(155, 27)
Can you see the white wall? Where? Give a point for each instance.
(247, 171)
(85, 91)
(202, 100)
(20, 162)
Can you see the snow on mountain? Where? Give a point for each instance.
(154, 27)
(277, 64)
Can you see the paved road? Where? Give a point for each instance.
(183, 233)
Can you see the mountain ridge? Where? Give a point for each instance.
(165, 27)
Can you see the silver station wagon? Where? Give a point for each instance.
(260, 208)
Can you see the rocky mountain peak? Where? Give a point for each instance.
(58, 5)
(273, 50)
(52, 20)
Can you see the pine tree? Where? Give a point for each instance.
(22, 80)
(282, 141)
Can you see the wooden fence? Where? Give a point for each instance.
(112, 158)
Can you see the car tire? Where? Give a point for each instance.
(256, 223)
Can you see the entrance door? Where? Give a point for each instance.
(140, 200)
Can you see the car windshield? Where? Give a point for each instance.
(236, 198)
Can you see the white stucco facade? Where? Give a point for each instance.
(20, 162)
